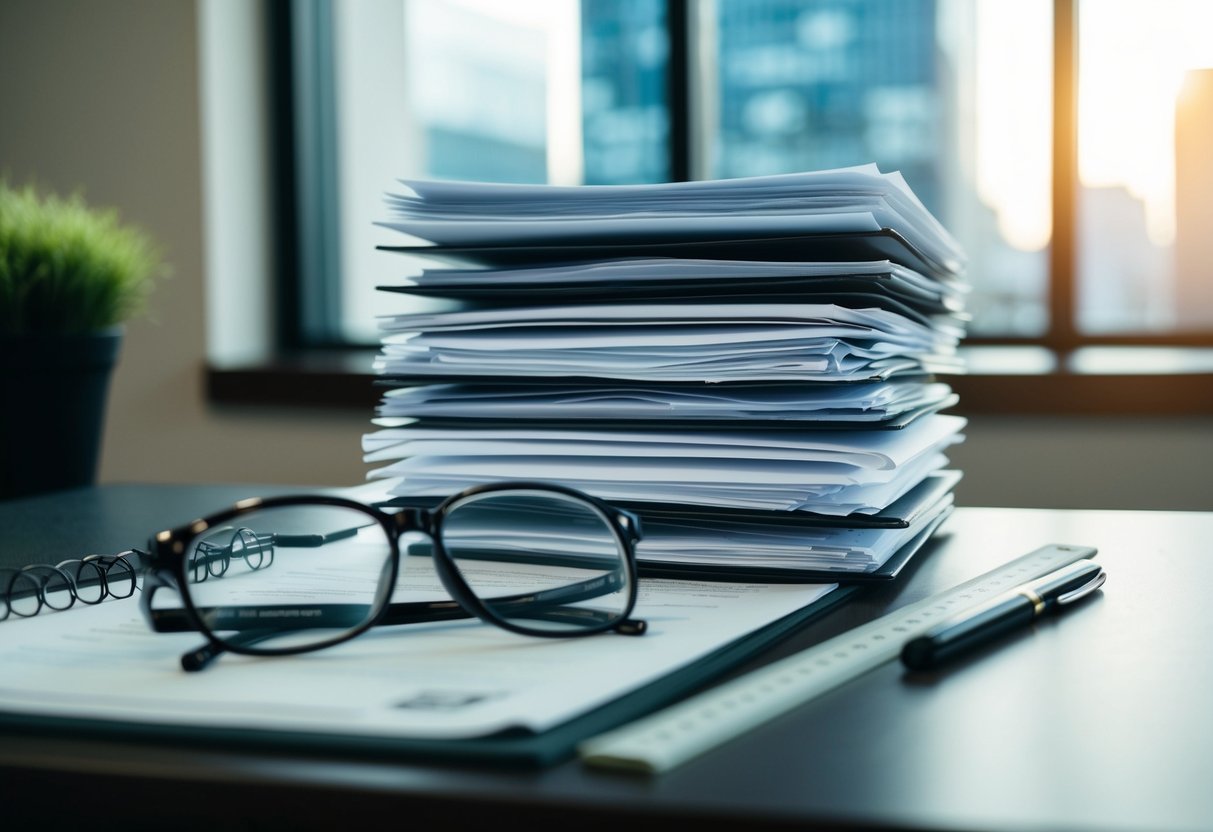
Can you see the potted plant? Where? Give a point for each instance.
(70, 276)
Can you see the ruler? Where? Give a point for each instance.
(670, 737)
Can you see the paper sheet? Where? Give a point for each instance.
(440, 681)
(707, 541)
(860, 198)
(560, 403)
(608, 273)
(661, 342)
(766, 488)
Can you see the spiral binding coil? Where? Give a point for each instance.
(89, 580)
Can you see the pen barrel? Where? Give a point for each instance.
(972, 630)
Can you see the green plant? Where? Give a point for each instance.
(68, 268)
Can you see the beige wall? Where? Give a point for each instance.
(103, 95)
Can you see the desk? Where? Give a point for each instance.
(1101, 719)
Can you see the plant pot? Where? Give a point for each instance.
(55, 392)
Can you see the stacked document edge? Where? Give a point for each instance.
(764, 417)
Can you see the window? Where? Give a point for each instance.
(1063, 142)
(1145, 198)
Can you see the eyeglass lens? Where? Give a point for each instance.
(544, 561)
(290, 576)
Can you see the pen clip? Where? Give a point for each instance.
(1086, 589)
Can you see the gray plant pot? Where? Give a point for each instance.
(55, 391)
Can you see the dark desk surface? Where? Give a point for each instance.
(1099, 720)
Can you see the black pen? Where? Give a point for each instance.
(1011, 610)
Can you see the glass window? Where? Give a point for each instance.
(625, 118)
(957, 95)
(1145, 166)
(535, 91)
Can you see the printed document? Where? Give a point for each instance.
(451, 680)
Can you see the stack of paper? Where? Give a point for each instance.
(752, 365)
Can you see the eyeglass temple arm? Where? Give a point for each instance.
(545, 605)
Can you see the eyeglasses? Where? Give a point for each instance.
(90, 580)
(286, 575)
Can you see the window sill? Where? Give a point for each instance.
(1103, 381)
(319, 378)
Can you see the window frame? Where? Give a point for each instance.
(313, 367)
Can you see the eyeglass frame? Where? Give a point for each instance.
(166, 564)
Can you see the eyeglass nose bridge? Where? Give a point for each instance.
(415, 520)
(427, 522)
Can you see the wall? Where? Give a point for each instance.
(1108, 462)
(104, 96)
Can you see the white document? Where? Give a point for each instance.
(830, 472)
(766, 487)
(853, 199)
(439, 681)
(602, 280)
(857, 402)
(755, 543)
(875, 450)
(675, 270)
(630, 313)
(661, 342)
(492, 230)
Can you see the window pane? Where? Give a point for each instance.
(956, 95)
(1145, 165)
(623, 94)
(528, 91)
(443, 89)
